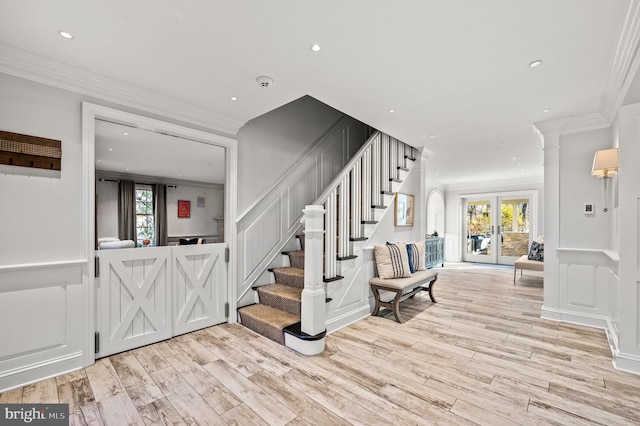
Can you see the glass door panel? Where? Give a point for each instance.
(514, 229)
(479, 231)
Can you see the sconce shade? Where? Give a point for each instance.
(605, 163)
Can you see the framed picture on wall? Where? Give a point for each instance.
(404, 209)
(184, 208)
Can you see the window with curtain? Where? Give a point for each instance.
(145, 223)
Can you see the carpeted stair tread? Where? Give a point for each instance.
(267, 321)
(281, 296)
(296, 258)
(291, 276)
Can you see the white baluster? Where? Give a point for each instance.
(343, 219)
(384, 164)
(376, 171)
(330, 236)
(367, 202)
(356, 200)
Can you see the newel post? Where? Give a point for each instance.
(313, 294)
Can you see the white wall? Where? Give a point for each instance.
(578, 187)
(202, 219)
(107, 209)
(268, 145)
(41, 217)
(387, 231)
(200, 223)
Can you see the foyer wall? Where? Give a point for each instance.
(270, 144)
(578, 187)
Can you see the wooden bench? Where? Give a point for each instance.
(524, 263)
(404, 288)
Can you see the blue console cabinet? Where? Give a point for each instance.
(434, 251)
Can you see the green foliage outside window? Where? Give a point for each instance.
(144, 215)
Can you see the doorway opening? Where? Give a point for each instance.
(498, 228)
(144, 281)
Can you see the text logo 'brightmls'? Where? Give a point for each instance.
(34, 414)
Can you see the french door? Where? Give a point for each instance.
(497, 228)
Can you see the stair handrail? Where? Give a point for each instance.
(345, 171)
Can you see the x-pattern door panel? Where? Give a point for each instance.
(199, 287)
(133, 298)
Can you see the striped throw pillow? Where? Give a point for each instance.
(392, 261)
(415, 252)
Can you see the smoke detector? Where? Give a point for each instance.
(264, 81)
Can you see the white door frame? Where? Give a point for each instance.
(495, 198)
(91, 112)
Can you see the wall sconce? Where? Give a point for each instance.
(605, 166)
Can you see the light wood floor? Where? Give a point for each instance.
(481, 355)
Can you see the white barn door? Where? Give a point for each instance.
(199, 286)
(145, 295)
(133, 298)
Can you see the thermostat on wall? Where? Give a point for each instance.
(589, 209)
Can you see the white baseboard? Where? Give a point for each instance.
(621, 361)
(349, 318)
(39, 371)
(578, 318)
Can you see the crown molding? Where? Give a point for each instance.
(573, 124)
(510, 184)
(625, 63)
(23, 64)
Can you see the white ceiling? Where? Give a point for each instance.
(457, 70)
(149, 153)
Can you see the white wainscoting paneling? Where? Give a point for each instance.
(261, 237)
(581, 285)
(47, 301)
(451, 247)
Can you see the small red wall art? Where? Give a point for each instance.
(184, 208)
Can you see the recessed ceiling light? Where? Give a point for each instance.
(65, 34)
(99, 161)
(233, 98)
(110, 149)
(125, 133)
(518, 164)
(514, 158)
(535, 63)
(546, 110)
(392, 110)
(432, 136)
(315, 47)
(127, 169)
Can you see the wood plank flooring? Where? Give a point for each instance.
(482, 355)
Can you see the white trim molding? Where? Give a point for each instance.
(90, 112)
(625, 63)
(54, 73)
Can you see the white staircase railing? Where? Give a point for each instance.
(349, 203)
